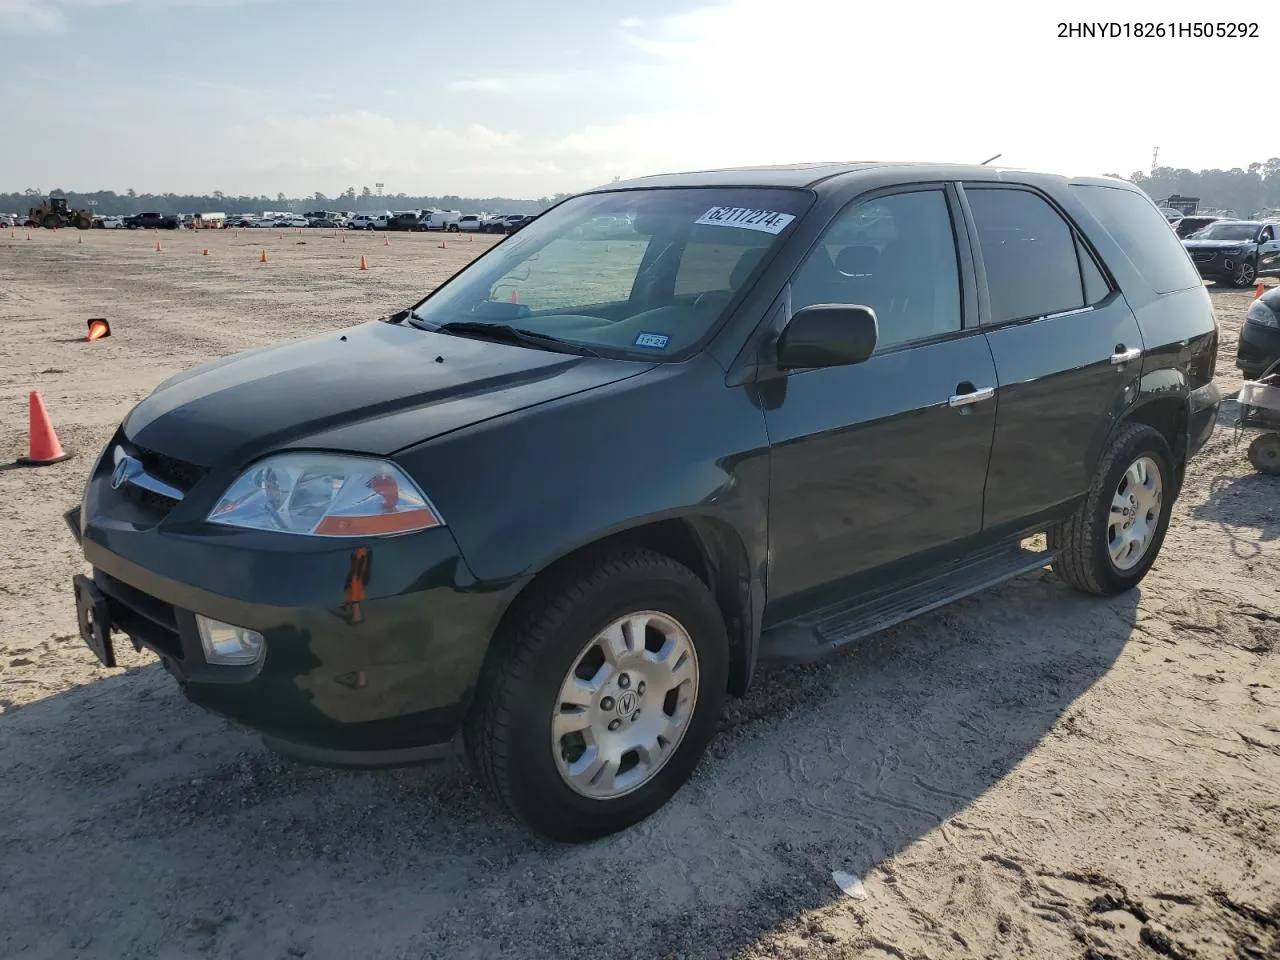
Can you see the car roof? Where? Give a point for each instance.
(813, 175)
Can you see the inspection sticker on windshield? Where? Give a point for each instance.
(766, 221)
(654, 341)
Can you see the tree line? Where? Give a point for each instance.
(108, 202)
(1244, 192)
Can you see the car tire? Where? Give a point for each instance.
(1245, 276)
(1087, 542)
(509, 733)
(1264, 454)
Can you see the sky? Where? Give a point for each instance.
(526, 98)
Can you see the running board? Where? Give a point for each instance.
(827, 629)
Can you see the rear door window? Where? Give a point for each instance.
(1137, 226)
(1029, 253)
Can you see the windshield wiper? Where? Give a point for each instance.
(500, 331)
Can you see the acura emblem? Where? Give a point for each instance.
(126, 469)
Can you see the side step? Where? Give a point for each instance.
(827, 629)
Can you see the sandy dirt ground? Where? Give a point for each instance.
(1030, 773)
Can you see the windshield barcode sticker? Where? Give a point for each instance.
(654, 341)
(766, 221)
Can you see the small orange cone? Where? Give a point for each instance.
(98, 328)
(344, 238)
(263, 258)
(79, 240)
(204, 252)
(282, 235)
(363, 265)
(42, 446)
(470, 238)
(443, 245)
(386, 241)
(28, 234)
(158, 248)
(515, 296)
(1260, 290)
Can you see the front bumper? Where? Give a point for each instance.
(1215, 265)
(1259, 346)
(368, 670)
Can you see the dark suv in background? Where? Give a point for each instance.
(151, 221)
(564, 505)
(1237, 252)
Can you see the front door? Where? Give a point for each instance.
(1269, 251)
(882, 460)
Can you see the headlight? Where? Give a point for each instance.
(1262, 315)
(325, 495)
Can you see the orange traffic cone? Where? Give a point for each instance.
(204, 252)
(515, 296)
(158, 248)
(263, 258)
(386, 241)
(363, 265)
(28, 234)
(43, 446)
(282, 236)
(443, 245)
(344, 238)
(98, 328)
(79, 240)
(470, 238)
(1259, 290)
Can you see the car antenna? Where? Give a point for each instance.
(989, 159)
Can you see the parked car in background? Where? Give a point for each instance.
(446, 220)
(109, 223)
(518, 221)
(370, 221)
(469, 223)
(867, 393)
(1186, 226)
(240, 220)
(7, 221)
(1259, 345)
(405, 221)
(326, 222)
(151, 221)
(494, 223)
(1236, 252)
(291, 222)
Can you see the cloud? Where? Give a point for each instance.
(478, 84)
(630, 23)
(51, 16)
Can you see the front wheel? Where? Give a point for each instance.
(1245, 275)
(605, 697)
(1107, 546)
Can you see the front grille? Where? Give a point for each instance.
(170, 470)
(1203, 257)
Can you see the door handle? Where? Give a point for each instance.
(1124, 356)
(973, 396)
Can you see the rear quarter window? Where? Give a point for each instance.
(1143, 234)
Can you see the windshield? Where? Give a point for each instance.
(628, 273)
(1226, 231)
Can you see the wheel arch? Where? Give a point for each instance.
(1169, 416)
(709, 546)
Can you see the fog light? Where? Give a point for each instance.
(227, 644)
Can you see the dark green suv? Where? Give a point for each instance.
(561, 508)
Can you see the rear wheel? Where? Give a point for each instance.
(1110, 542)
(49, 221)
(83, 223)
(1245, 275)
(1264, 454)
(605, 698)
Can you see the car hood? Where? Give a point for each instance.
(375, 388)
(1214, 244)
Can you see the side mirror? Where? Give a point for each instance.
(828, 335)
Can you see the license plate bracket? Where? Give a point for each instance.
(94, 617)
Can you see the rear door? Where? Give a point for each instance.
(886, 459)
(1067, 349)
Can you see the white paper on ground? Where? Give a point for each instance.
(850, 884)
